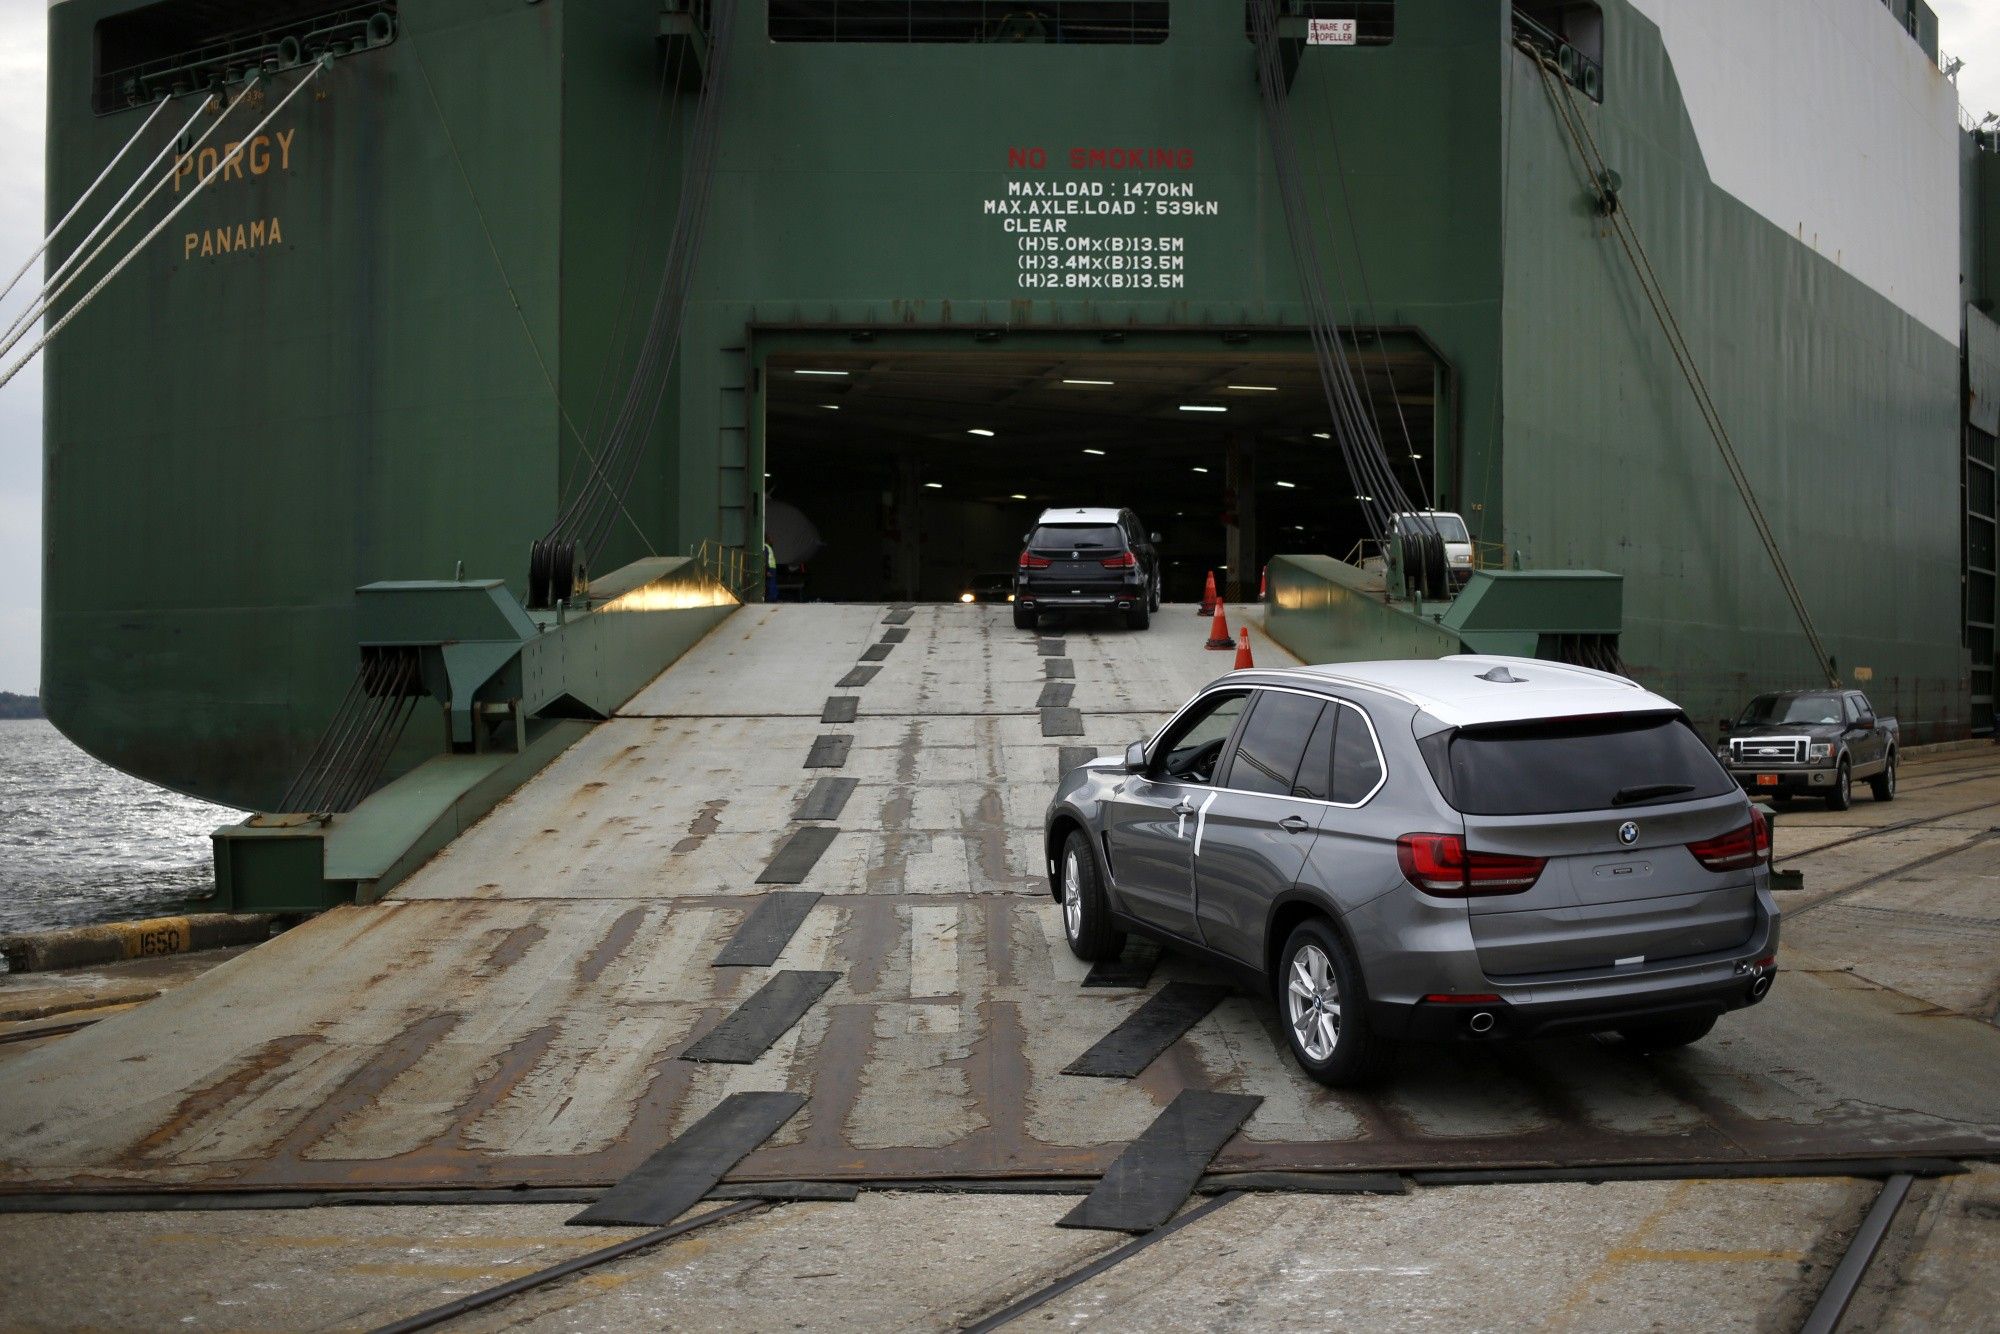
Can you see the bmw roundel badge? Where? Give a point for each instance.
(1628, 833)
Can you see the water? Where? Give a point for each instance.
(82, 843)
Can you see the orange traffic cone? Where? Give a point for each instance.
(1208, 598)
(1243, 651)
(1218, 633)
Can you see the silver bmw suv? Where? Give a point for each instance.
(1470, 848)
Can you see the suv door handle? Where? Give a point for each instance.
(1294, 824)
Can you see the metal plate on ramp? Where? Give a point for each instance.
(750, 1030)
(1154, 1176)
(1062, 722)
(800, 854)
(767, 930)
(826, 798)
(1145, 1036)
(828, 752)
(677, 1178)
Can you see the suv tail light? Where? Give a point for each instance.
(1124, 560)
(1030, 561)
(1737, 849)
(1439, 864)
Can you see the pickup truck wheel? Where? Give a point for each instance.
(1883, 785)
(1086, 913)
(1842, 795)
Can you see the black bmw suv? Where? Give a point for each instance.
(1088, 560)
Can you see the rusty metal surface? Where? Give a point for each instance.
(515, 1013)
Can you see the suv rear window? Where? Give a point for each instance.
(1077, 537)
(1588, 764)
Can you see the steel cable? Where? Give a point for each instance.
(227, 157)
(601, 394)
(347, 761)
(77, 207)
(1356, 431)
(585, 521)
(1657, 299)
(71, 269)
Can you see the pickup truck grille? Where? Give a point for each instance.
(1769, 750)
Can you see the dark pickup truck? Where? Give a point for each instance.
(1811, 743)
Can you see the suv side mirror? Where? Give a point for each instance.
(1135, 758)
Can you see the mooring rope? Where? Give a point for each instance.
(82, 253)
(228, 157)
(1650, 285)
(81, 199)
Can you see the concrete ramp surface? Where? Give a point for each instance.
(518, 1012)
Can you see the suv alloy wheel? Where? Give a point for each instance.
(1323, 1008)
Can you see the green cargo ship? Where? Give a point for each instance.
(962, 259)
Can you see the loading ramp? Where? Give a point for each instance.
(515, 1012)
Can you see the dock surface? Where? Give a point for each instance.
(541, 1006)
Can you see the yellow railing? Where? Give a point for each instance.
(726, 565)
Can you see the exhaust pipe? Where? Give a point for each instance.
(1481, 1022)
(1760, 986)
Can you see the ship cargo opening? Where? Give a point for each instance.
(895, 474)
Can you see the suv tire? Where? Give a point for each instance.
(1086, 912)
(1883, 785)
(1024, 617)
(1153, 599)
(1666, 1034)
(1139, 618)
(1842, 795)
(1315, 970)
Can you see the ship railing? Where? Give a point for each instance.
(1364, 549)
(727, 565)
(232, 59)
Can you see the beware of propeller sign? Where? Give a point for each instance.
(1331, 32)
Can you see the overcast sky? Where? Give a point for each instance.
(1971, 31)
